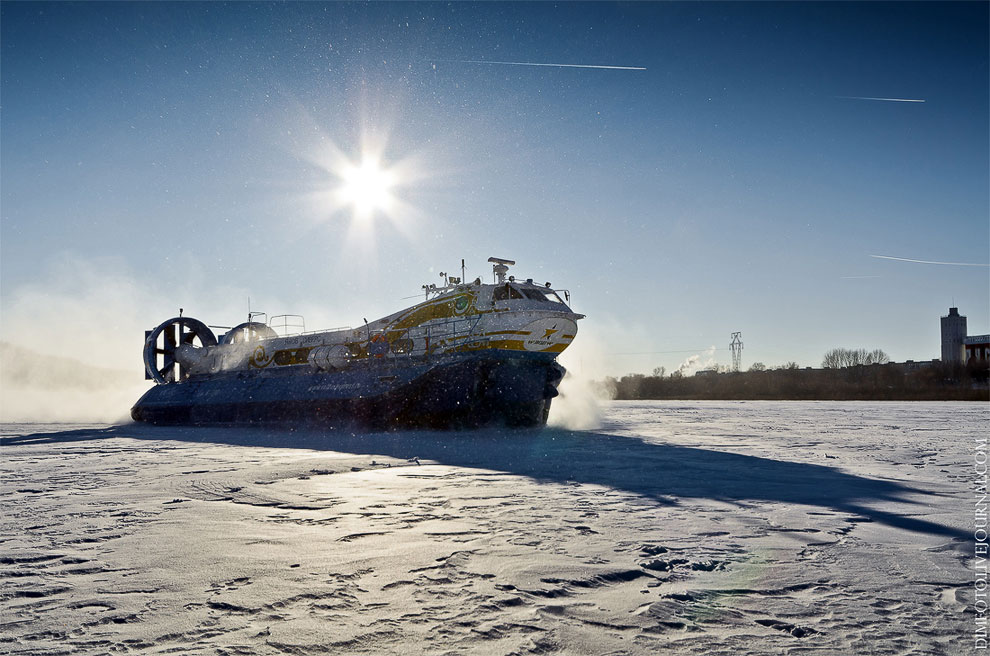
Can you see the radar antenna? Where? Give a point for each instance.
(736, 346)
(501, 268)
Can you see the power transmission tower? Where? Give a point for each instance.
(736, 347)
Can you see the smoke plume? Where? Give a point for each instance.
(698, 362)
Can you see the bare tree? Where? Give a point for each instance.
(877, 356)
(839, 358)
(836, 359)
(758, 366)
(659, 372)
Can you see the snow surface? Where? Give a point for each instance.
(675, 527)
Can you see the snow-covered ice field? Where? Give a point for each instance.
(675, 527)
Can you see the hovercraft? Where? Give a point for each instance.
(470, 354)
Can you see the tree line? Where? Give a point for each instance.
(870, 376)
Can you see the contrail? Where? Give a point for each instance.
(504, 63)
(907, 259)
(917, 100)
(853, 277)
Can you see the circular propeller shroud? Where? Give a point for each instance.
(165, 339)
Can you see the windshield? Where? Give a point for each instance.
(543, 295)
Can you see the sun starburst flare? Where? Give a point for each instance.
(363, 193)
(366, 188)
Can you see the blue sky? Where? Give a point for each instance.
(736, 184)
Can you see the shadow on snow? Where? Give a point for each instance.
(661, 472)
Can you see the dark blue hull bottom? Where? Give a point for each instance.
(457, 392)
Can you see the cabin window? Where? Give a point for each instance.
(505, 292)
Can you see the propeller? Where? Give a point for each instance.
(165, 339)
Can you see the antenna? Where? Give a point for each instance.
(501, 267)
(736, 346)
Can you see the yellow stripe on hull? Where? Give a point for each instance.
(506, 345)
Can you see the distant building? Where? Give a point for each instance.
(953, 336)
(977, 348)
(911, 365)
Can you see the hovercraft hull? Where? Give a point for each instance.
(452, 391)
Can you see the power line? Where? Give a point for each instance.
(699, 350)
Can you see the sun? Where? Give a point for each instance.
(366, 187)
(364, 192)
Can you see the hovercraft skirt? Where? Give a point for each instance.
(448, 392)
